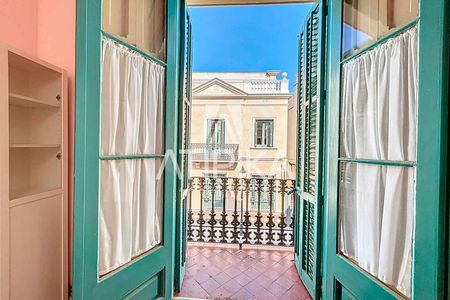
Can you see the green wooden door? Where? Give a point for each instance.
(311, 99)
(388, 272)
(184, 140)
(144, 34)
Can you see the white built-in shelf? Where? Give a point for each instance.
(24, 101)
(34, 145)
(32, 193)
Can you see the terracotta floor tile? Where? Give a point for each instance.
(222, 278)
(297, 292)
(243, 294)
(201, 277)
(192, 289)
(232, 286)
(260, 267)
(276, 289)
(233, 271)
(210, 285)
(223, 271)
(253, 273)
(273, 274)
(267, 296)
(243, 279)
(255, 288)
(289, 295)
(213, 270)
(285, 282)
(242, 267)
(264, 280)
(221, 292)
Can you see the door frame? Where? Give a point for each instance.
(183, 182)
(86, 284)
(428, 257)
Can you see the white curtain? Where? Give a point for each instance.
(378, 117)
(132, 102)
(131, 124)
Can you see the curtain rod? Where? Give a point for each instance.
(381, 41)
(133, 48)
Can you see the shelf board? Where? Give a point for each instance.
(34, 145)
(31, 194)
(20, 100)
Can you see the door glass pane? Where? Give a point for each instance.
(152, 28)
(366, 21)
(376, 215)
(379, 101)
(141, 23)
(131, 210)
(132, 106)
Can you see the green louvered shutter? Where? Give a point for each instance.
(183, 201)
(311, 98)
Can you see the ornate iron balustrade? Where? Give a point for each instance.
(214, 152)
(241, 211)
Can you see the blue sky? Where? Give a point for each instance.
(247, 38)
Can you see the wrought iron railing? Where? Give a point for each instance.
(214, 152)
(241, 211)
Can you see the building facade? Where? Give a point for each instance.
(239, 122)
(292, 133)
(239, 129)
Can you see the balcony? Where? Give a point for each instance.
(219, 153)
(266, 86)
(231, 210)
(217, 271)
(240, 238)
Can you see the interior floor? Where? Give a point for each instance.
(220, 271)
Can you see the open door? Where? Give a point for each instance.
(126, 134)
(183, 199)
(386, 148)
(311, 98)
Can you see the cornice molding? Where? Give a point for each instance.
(216, 81)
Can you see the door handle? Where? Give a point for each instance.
(292, 190)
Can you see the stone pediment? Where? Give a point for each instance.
(217, 87)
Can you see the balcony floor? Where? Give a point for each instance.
(220, 271)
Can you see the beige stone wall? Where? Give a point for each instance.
(240, 110)
(239, 116)
(292, 134)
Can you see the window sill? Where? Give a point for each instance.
(263, 148)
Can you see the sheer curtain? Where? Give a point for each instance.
(131, 124)
(378, 122)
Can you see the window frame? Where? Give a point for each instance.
(209, 175)
(207, 129)
(354, 52)
(253, 197)
(128, 43)
(254, 132)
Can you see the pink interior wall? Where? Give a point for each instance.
(18, 24)
(45, 29)
(56, 44)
